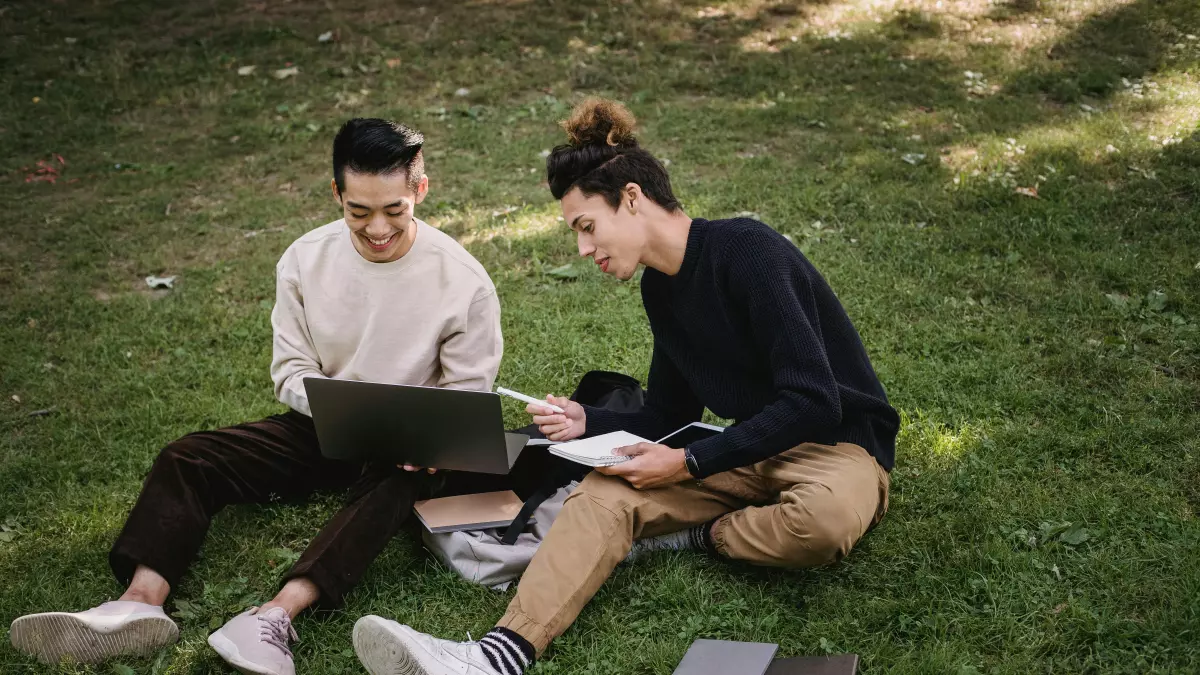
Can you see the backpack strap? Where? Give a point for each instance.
(522, 520)
(599, 388)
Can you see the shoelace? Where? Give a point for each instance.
(457, 650)
(275, 630)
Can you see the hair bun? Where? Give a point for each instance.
(599, 121)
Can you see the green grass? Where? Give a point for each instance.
(1044, 352)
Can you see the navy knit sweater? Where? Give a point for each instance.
(749, 329)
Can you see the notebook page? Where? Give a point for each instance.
(599, 447)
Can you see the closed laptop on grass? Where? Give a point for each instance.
(725, 657)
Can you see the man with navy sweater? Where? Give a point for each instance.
(744, 326)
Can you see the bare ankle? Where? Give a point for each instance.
(147, 587)
(132, 595)
(295, 596)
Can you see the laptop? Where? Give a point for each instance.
(426, 426)
(726, 657)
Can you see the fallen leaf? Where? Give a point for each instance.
(31, 323)
(16, 399)
(37, 99)
(284, 73)
(392, 63)
(1060, 607)
(325, 37)
(160, 282)
(246, 70)
(1027, 191)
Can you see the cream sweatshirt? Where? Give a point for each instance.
(430, 318)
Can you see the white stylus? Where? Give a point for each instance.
(528, 399)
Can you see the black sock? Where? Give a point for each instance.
(701, 537)
(508, 652)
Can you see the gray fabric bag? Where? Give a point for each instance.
(480, 557)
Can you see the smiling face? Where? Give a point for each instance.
(613, 238)
(379, 212)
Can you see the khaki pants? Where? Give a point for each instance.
(804, 507)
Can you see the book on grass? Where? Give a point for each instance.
(598, 450)
(838, 664)
(482, 511)
(726, 657)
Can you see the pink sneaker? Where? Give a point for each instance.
(256, 642)
(112, 629)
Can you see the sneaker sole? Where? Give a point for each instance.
(54, 636)
(381, 651)
(227, 650)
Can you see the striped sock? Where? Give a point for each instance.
(508, 652)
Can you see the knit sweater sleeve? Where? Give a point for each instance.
(766, 276)
(294, 357)
(670, 404)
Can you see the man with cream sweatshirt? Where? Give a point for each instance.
(378, 296)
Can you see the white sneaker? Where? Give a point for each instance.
(388, 648)
(256, 642)
(112, 629)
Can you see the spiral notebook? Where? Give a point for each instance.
(598, 450)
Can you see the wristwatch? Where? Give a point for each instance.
(689, 461)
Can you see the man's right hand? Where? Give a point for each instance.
(559, 427)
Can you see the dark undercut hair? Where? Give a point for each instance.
(375, 146)
(602, 156)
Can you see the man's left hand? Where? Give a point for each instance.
(652, 465)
